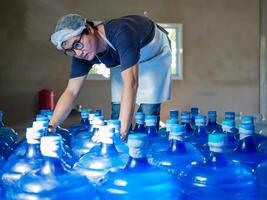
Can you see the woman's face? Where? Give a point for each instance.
(88, 43)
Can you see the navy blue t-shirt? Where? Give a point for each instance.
(127, 35)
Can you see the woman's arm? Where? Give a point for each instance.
(128, 97)
(66, 100)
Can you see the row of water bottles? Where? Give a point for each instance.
(186, 159)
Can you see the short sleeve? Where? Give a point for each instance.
(79, 67)
(128, 46)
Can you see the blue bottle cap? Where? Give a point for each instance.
(137, 145)
(172, 121)
(116, 124)
(98, 120)
(42, 118)
(194, 110)
(200, 120)
(174, 114)
(33, 135)
(212, 113)
(85, 110)
(176, 132)
(217, 142)
(105, 135)
(40, 124)
(229, 115)
(246, 130)
(44, 111)
(151, 120)
(1, 113)
(247, 120)
(51, 146)
(140, 116)
(185, 115)
(99, 111)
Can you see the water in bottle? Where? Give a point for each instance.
(178, 155)
(247, 152)
(96, 164)
(138, 180)
(16, 167)
(261, 174)
(218, 177)
(52, 181)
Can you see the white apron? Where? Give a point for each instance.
(154, 81)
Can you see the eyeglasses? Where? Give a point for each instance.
(75, 45)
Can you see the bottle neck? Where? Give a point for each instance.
(212, 122)
(201, 130)
(218, 157)
(106, 149)
(52, 166)
(247, 145)
(85, 121)
(33, 151)
(151, 131)
(188, 127)
(137, 163)
(177, 146)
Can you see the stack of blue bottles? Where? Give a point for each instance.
(120, 145)
(200, 135)
(218, 177)
(228, 127)
(52, 181)
(82, 143)
(212, 126)
(247, 152)
(178, 155)
(17, 166)
(139, 180)
(261, 174)
(8, 139)
(139, 123)
(156, 142)
(84, 125)
(229, 115)
(97, 163)
(185, 120)
(194, 112)
(65, 134)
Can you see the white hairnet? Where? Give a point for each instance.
(67, 27)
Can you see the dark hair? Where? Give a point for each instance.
(90, 23)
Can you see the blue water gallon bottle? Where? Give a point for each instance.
(31, 160)
(52, 181)
(99, 161)
(218, 177)
(247, 152)
(139, 180)
(178, 155)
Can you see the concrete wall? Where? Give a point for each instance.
(221, 50)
